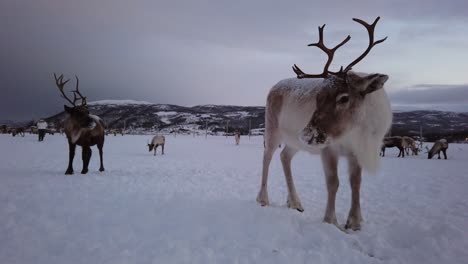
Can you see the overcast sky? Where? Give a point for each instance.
(222, 52)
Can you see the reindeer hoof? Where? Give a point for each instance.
(101, 169)
(262, 198)
(84, 171)
(353, 223)
(295, 205)
(69, 172)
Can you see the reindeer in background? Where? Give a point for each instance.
(332, 113)
(157, 141)
(81, 128)
(390, 142)
(439, 145)
(18, 131)
(410, 144)
(237, 136)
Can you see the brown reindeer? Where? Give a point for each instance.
(18, 131)
(332, 113)
(439, 145)
(81, 128)
(390, 142)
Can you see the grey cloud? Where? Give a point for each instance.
(442, 97)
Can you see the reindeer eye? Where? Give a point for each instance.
(342, 99)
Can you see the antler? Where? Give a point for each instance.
(76, 93)
(370, 30)
(329, 52)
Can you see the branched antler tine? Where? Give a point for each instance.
(342, 43)
(77, 83)
(60, 85)
(372, 43)
(330, 53)
(77, 92)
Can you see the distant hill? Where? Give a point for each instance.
(144, 116)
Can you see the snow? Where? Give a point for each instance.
(119, 102)
(238, 114)
(196, 204)
(166, 113)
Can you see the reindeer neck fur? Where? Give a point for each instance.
(83, 133)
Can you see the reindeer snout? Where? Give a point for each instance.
(312, 136)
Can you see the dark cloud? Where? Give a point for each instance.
(199, 52)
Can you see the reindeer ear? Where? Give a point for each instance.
(366, 84)
(376, 83)
(67, 109)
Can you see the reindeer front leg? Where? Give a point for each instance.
(330, 167)
(162, 146)
(86, 156)
(293, 199)
(354, 216)
(155, 148)
(71, 156)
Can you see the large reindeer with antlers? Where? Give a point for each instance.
(332, 113)
(81, 128)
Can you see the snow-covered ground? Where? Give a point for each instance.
(196, 204)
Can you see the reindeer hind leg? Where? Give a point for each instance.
(293, 199)
(100, 148)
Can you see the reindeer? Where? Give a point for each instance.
(237, 137)
(332, 113)
(157, 140)
(81, 127)
(390, 142)
(18, 131)
(410, 144)
(439, 145)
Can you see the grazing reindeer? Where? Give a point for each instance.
(81, 128)
(439, 145)
(18, 131)
(390, 142)
(334, 113)
(155, 142)
(410, 144)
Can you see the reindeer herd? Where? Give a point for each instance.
(407, 144)
(342, 113)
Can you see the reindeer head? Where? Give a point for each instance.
(79, 113)
(343, 94)
(150, 147)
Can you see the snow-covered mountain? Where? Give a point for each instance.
(146, 116)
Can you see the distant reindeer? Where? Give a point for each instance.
(334, 113)
(81, 128)
(237, 137)
(18, 131)
(157, 141)
(410, 144)
(390, 142)
(439, 145)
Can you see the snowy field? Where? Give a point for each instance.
(196, 204)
